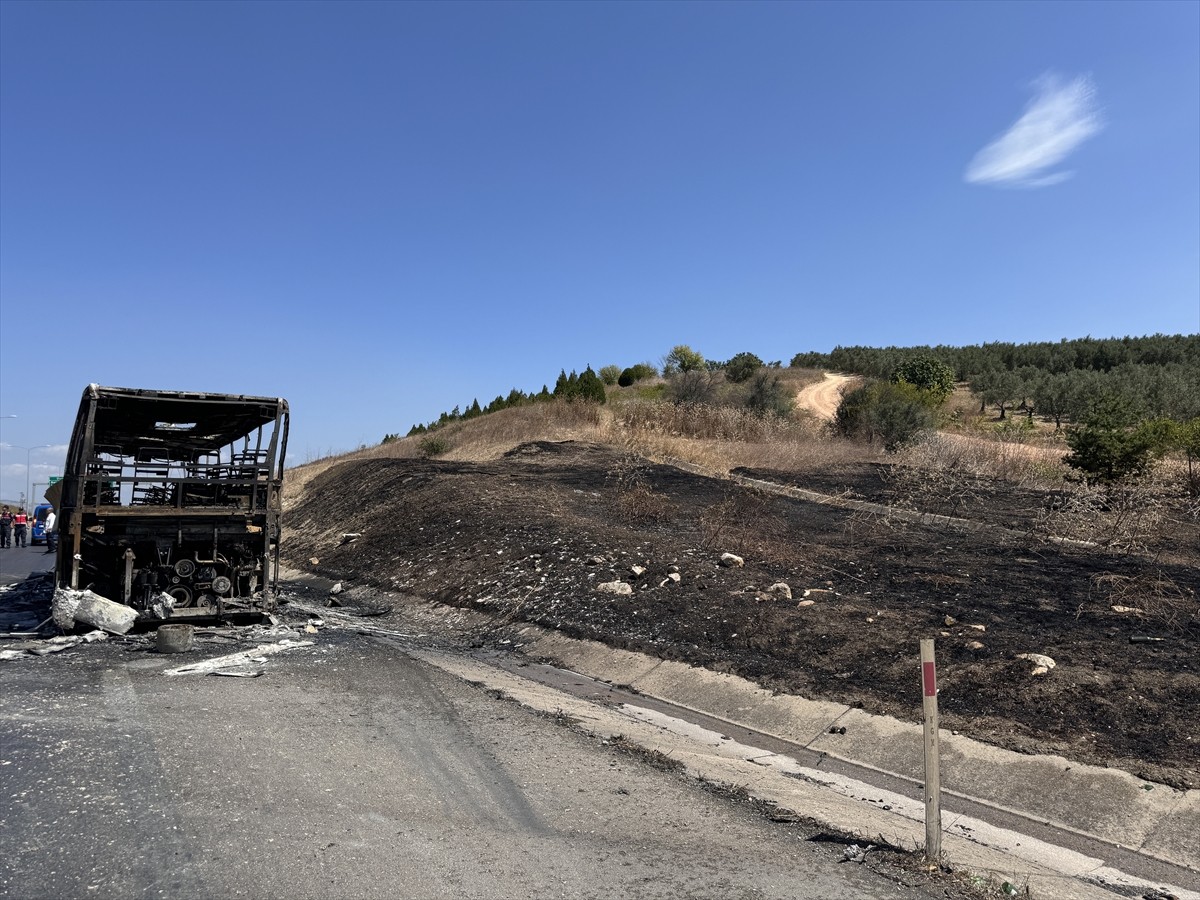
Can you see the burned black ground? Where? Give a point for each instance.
(530, 536)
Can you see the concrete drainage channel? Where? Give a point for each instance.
(1023, 847)
(954, 804)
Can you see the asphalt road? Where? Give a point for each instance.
(351, 770)
(16, 563)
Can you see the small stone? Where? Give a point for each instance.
(974, 645)
(614, 587)
(732, 560)
(597, 561)
(336, 589)
(1040, 661)
(672, 568)
(637, 570)
(978, 627)
(782, 589)
(804, 603)
(949, 620)
(808, 591)
(314, 561)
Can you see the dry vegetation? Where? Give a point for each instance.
(949, 473)
(716, 438)
(1009, 474)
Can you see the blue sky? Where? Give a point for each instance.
(380, 211)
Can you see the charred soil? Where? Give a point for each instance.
(531, 537)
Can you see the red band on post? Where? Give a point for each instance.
(928, 679)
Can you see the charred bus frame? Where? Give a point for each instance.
(177, 493)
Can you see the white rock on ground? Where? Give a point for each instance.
(614, 587)
(808, 591)
(732, 560)
(781, 588)
(1042, 663)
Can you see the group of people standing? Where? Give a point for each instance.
(14, 526)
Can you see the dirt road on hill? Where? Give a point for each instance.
(531, 537)
(822, 398)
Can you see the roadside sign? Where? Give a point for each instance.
(933, 778)
(53, 479)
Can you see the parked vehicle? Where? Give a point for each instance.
(37, 530)
(174, 492)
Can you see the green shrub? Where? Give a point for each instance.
(634, 374)
(894, 414)
(683, 358)
(433, 445)
(1108, 447)
(929, 374)
(652, 391)
(767, 395)
(742, 367)
(610, 374)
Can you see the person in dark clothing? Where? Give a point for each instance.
(6, 521)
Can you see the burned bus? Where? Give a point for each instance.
(176, 493)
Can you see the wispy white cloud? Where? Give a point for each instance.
(1059, 118)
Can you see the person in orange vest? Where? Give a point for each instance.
(20, 526)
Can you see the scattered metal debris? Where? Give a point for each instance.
(857, 854)
(233, 660)
(53, 645)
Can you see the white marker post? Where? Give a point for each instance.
(933, 781)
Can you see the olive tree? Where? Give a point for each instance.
(683, 358)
